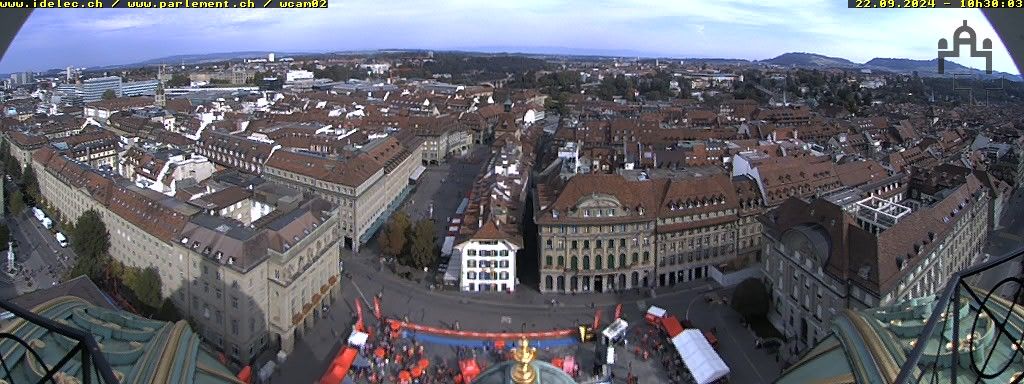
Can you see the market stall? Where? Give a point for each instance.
(699, 357)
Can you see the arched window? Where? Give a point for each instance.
(575, 263)
(622, 260)
(636, 257)
(597, 262)
(586, 262)
(561, 283)
(547, 261)
(647, 257)
(561, 261)
(548, 282)
(636, 278)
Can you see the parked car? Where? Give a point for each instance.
(61, 239)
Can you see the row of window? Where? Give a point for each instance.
(486, 276)
(598, 261)
(574, 229)
(486, 253)
(487, 264)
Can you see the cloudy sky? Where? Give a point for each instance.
(750, 29)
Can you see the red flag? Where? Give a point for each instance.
(618, 311)
(359, 315)
(376, 307)
(597, 319)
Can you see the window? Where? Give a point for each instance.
(471, 275)
(547, 261)
(471, 263)
(574, 245)
(234, 326)
(586, 262)
(597, 262)
(575, 263)
(234, 302)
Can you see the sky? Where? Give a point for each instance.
(747, 29)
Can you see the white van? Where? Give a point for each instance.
(47, 222)
(61, 239)
(38, 213)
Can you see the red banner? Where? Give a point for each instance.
(597, 319)
(359, 315)
(618, 311)
(376, 307)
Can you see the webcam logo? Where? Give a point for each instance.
(970, 40)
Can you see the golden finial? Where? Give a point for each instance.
(524, 373)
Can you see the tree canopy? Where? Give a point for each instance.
(109, 94)
(423, 251)
(394, 239)
(179, 80)
(29, 183)
(90, 241)
(750, 299)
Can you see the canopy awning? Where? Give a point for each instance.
(417, 173)
(358, 339)
(702, 360)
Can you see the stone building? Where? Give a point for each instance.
(821, 258)
(367, 185)
(598, 234)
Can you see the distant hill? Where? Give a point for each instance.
(925, 68)
(811, 60)
(929, 68)
(199, 59)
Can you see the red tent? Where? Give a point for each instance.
(340, 366)
(380, 352)
(416, 372)
(424, 363)
(499, 344)
(671, 326)
(470, 370)
(404, 377)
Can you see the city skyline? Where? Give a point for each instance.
(60, 38)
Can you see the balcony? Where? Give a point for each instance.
(82, 351)
(974, 331)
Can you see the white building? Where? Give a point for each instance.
(297, 75)
(488, 260)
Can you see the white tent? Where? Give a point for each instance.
(358, 339)
(702, 360)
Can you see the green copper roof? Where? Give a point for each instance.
(871, 346)
(139, 350)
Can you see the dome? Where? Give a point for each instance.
(502, 374)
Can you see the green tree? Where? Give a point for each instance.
(16, 202)
(179, 80)
(750, 299)
(5, 236)
(13, 167)
(423, 251)
(5, 151)
(394, 239)
(90, 241)
(146, 287)
(109, 94)
(29, 183)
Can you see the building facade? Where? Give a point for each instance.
(598, 235)
(93, 89)
(821, 258)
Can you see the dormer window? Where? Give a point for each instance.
(195, 245)
(206, 251)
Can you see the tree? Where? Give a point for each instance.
(5, 236)
(13, 167)
(179, 80)
(394, 239)
(109, 94)
(29, 183)
(90, 241)
(16, 202)
(423, 251)
(146, 286)
(750, 299)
